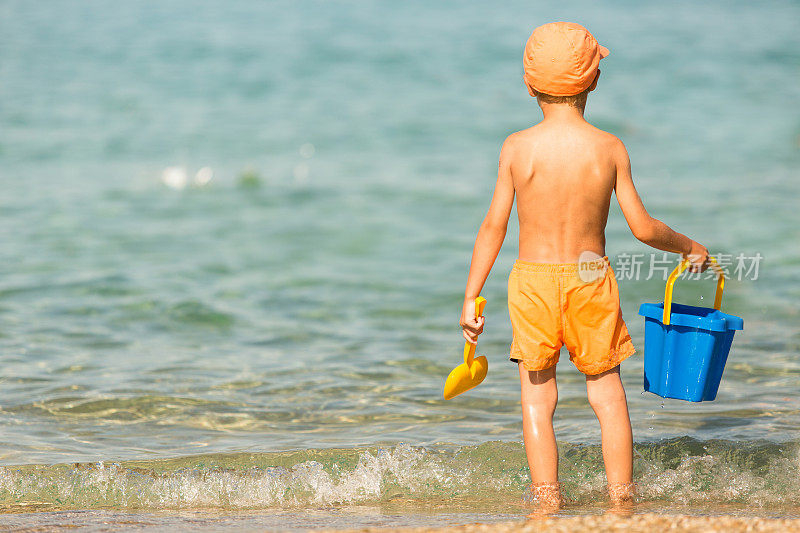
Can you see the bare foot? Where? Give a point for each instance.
(622, 495)
(546, 497)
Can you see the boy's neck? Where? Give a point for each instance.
(561, 112)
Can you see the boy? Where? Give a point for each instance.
(562, 172)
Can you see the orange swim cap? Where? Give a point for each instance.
(561, 59)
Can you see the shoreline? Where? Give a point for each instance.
(369, 521)
(636, 523)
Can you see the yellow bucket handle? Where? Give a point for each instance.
(469, 348)
(677, 272)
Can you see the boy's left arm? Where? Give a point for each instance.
(490, 239)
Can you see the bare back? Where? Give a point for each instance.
(563, 175)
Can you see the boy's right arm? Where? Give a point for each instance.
(487, 244)
(647, 229)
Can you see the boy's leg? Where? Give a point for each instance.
(607, 398)
(539, 396)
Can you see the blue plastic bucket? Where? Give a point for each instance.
(686, 347)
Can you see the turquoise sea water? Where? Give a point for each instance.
(278, 336)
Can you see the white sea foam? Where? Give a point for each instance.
(762, 476)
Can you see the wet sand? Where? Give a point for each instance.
(644, 523)
(365, 520)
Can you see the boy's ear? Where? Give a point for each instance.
(531, 90)
(594, 83)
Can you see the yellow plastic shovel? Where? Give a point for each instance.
(471, 372)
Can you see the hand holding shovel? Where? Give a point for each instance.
(471, 372)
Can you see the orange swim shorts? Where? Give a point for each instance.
(551, 306)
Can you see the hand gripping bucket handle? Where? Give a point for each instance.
(677, 272)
